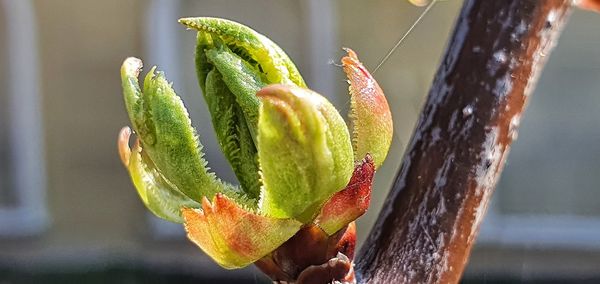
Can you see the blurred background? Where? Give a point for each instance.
(68, 212)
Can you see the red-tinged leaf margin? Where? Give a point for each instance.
(233, 236)
(350, 203)
(370, 115)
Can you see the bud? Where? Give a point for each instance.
(303, 179)
(235, 236)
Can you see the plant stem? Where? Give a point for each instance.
(431, 218)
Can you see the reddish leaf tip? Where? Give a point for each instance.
(350, 203)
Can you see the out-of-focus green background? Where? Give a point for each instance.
(68, 212)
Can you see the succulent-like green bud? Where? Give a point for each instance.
(288, 146)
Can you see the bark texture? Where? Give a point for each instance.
(431, 218)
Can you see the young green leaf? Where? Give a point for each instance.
(304, 150)
(234, 59)
(249, 44)
(166, 134)
(232, 133)
(233, 236)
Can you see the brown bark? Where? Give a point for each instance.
(430, 221)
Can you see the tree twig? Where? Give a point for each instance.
(430, 221)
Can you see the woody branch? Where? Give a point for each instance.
(432, 215)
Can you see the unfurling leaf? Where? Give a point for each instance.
(304, 150)
(233, 236)
(166, 135)
(233, 62)
(372, 124)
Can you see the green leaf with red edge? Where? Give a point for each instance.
(350, 203)
(370, 114)
(233, 236)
